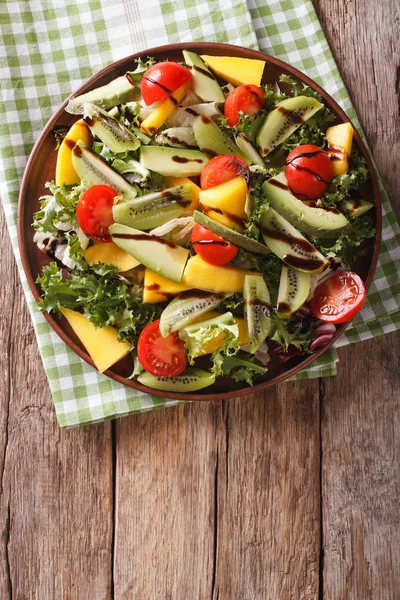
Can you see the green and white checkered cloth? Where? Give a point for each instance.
(50, 47)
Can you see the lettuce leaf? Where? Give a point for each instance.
(103, 298)
(241, 368)
(292, 332)
(349, 245)
(58, 208)
(198, 335)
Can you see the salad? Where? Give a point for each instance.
(202, 222)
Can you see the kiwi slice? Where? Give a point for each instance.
(112, 133)
(294, 287)
(289, 244)
(186, 307)
(245, 145)
(119, 91)
(191, 380)
(212, 140)
(153, 210)
(92, 168)
(257, 310)
(283, 120)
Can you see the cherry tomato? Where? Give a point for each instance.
(212, 248)
(248, 99)
(161, 80)
(308, 171)
(223, 168)
(338, 298)
(161, 356)
(94, 212)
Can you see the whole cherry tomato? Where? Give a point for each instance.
(161, 80)
(308, 171)
(248, 99)
(212, 248)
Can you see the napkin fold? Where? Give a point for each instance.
(51, 48)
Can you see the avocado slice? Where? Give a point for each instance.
(173, 162)
(204, 83)
(317, 222)
(152, 251)
(119, 91)
(294, 287)
(289, 245)
(230, 235)
(355, 207)
(283, 120)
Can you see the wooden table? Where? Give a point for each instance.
(290, 494)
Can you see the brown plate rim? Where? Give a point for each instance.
(204, 47)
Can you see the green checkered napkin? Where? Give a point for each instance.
(51, 47)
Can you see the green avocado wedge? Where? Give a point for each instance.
(229, 235)
(317, 222)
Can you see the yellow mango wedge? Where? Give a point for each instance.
(65, 172)
(201, 275)
(225, 203)
(217, 342)
(239, 71)
(158, 288)
(160, 114)
(340, 139)
(194, 205)
(101, 343)
(110, 254)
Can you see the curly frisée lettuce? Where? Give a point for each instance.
(59, 209)
(241, 367)
(103, 298)
(198, 335)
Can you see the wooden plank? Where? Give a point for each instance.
(268, 534)
(360, 425)
(165, 476)
(56, 486)
(361, 474)
(220, 500)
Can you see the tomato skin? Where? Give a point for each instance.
(161, 80)
(339, 298)
(308, 171)
(248, 99)
(212, 248)
(223, 168)
(162, 357)
(94, 212)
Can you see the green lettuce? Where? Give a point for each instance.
(60, 207)
(198, 335)
(287, 333)
(240, 368)
(349, 244)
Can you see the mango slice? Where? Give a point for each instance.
(160, 114)
(217, 342)
(101, 343)
(65, 172)
(110, 254)
(158, 288)
(340, 138)
(238, 71)
(225, 203)
(201, 275)
(194, 205)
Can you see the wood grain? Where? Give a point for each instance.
(360, 409)
(220, 500)
(56, 486)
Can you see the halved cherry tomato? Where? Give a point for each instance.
(339, 298)
(161, 80)
(308, 171)
(94, 212)
(212, 248)
(223, 168)
(248, 99)
(161, 356)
